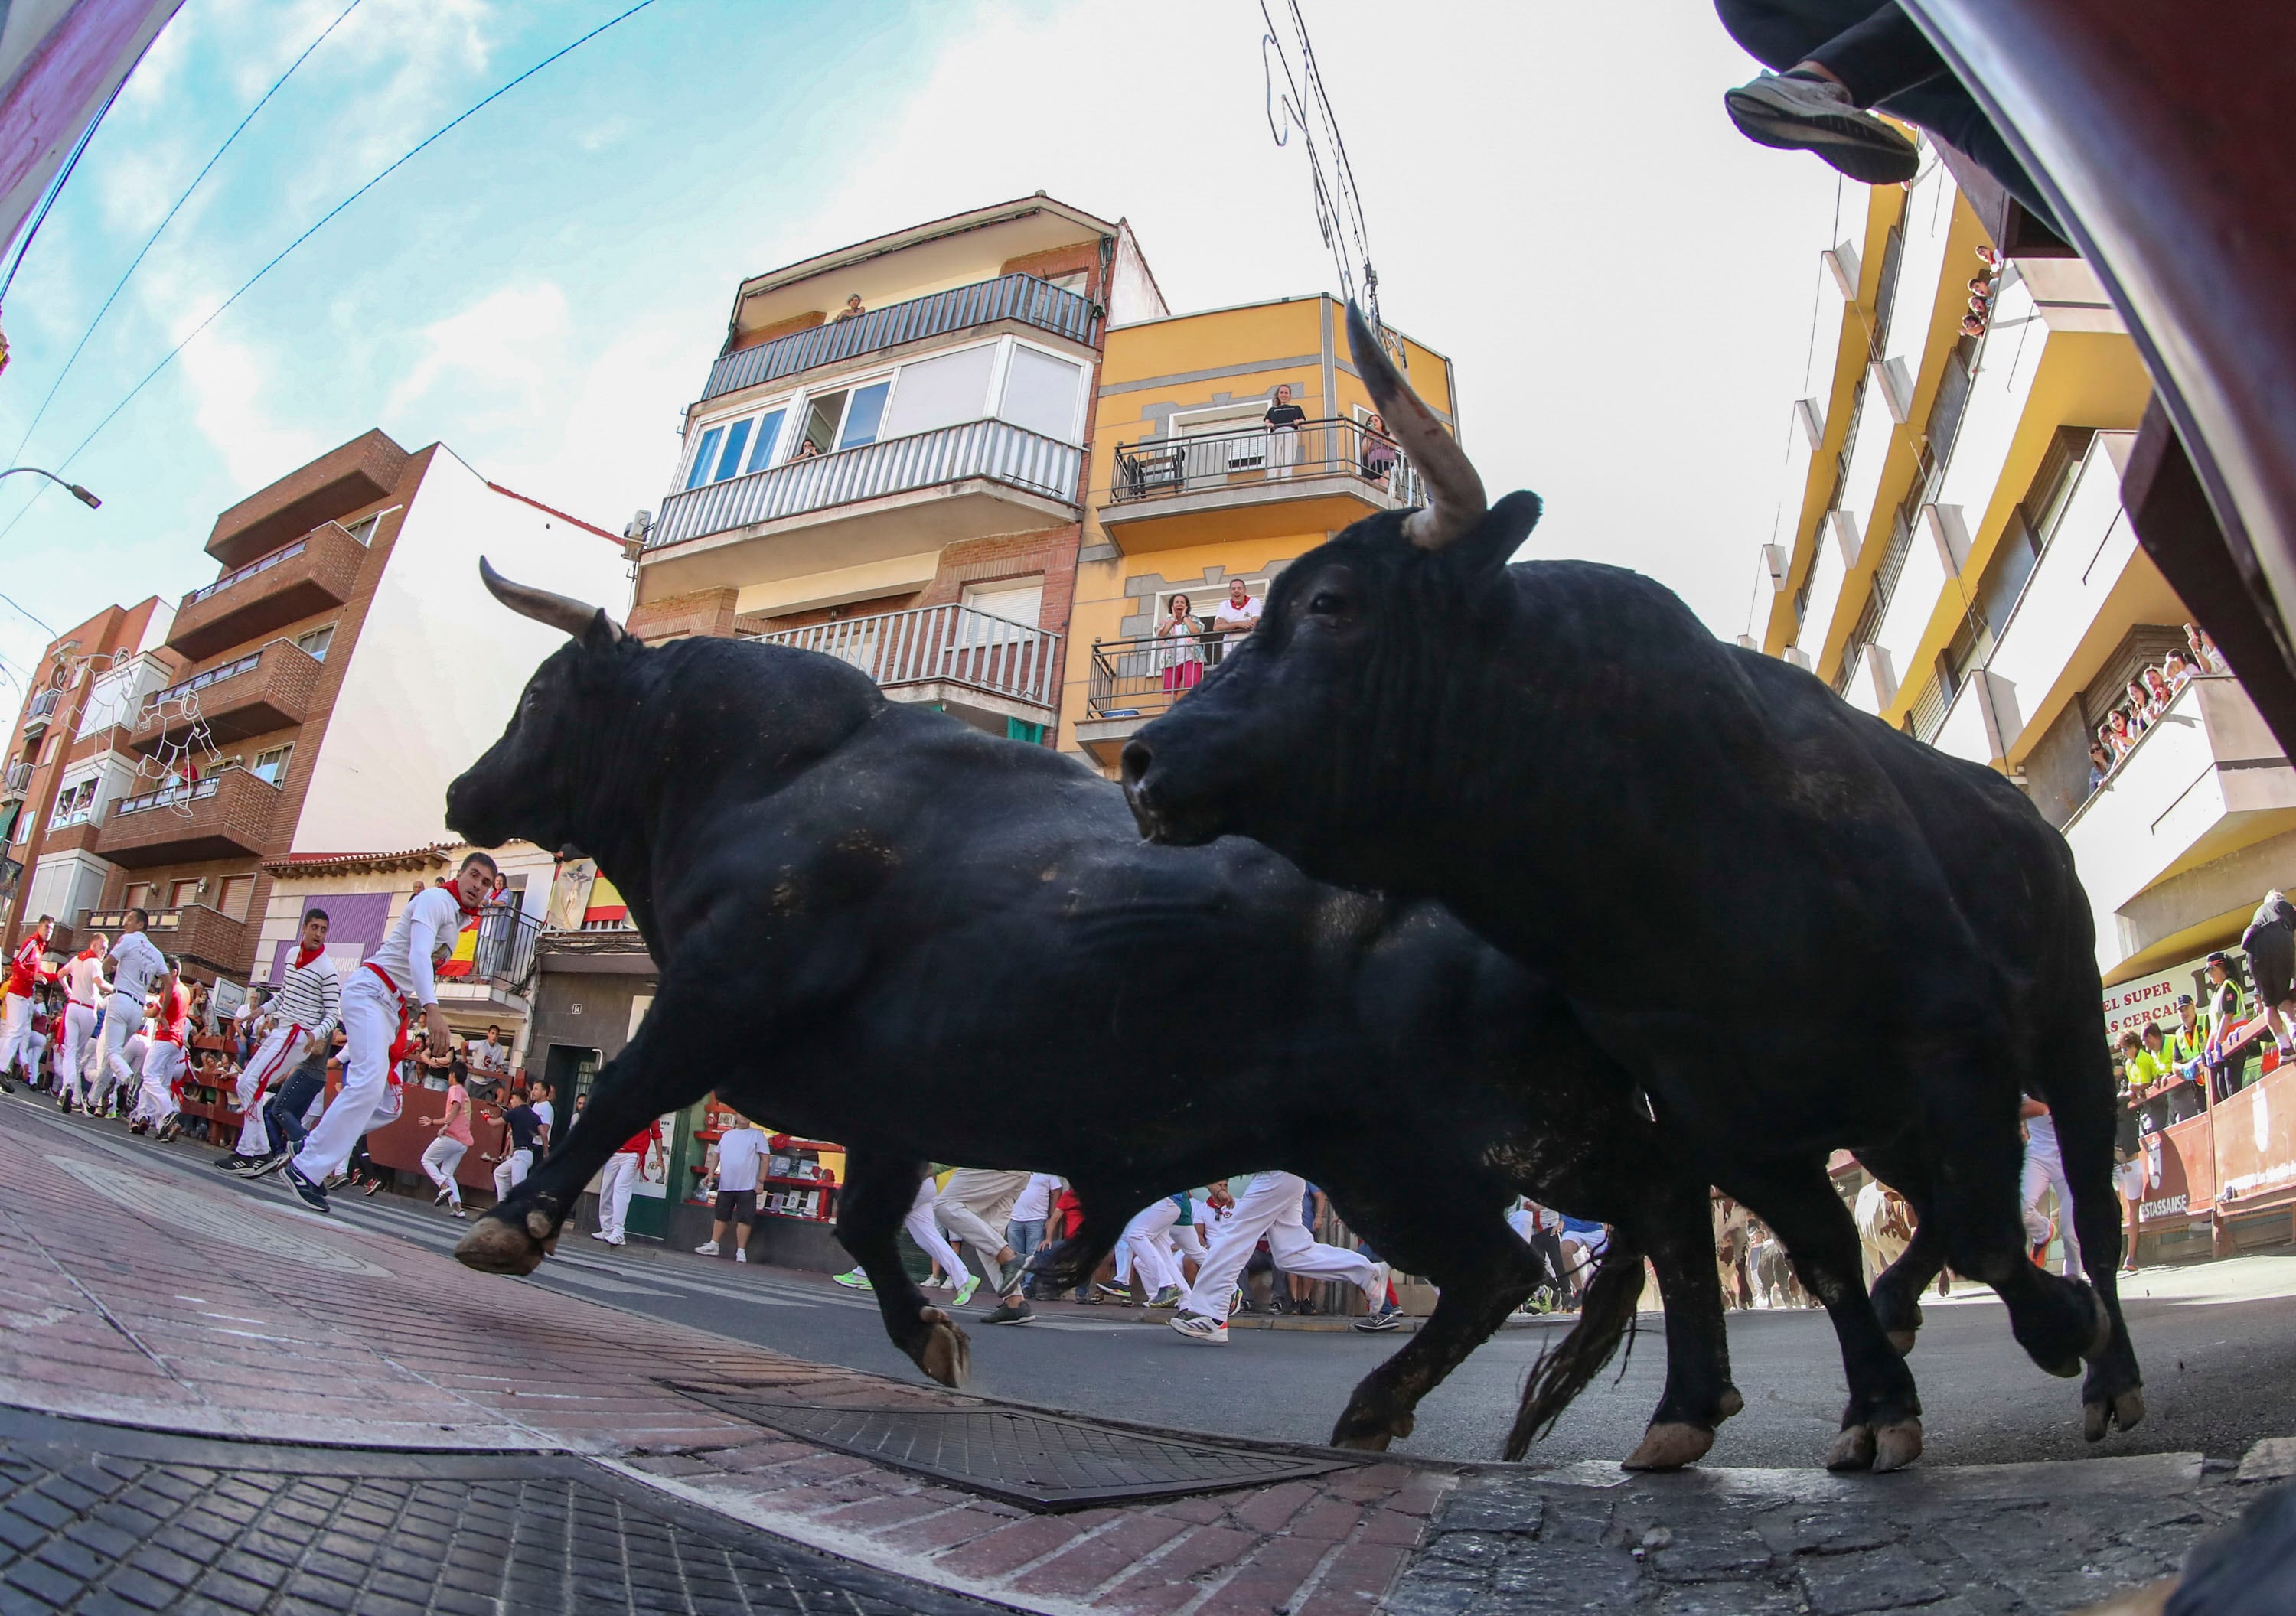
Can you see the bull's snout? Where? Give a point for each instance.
(1134, 764)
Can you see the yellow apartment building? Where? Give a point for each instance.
(1189, 489)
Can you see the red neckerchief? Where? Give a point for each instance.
(304, 956)
(454, 891)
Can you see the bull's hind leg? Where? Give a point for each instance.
(658, 1071)
(1483, 1273)
(879, 1191)
(1675, 1225)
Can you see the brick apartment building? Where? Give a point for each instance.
(296, 705)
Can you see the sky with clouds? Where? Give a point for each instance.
(1554, 198)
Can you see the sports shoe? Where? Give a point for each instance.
(1116, 1292)
(1195, 1327)
(263, 1167)
(63, 1103)
(741, 1253)
(1802, 113)
(336, 1181)
(618, 1240)
(370, 1186)
(1011, 1309)
(458, 1209)
(965, 1287)
(313, 1195)
(1168, 1297)
(853, 1280)
(234, 1163)
(1382, 1318)
(708, 1248)
(441, 1198)
(1234, 1301)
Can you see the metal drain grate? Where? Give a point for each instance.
(94, 1518)
(1039, 1461)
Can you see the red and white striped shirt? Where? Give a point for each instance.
(29, 966)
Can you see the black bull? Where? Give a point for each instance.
(1797, 928)
(877, 925)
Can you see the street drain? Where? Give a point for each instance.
(1042, 1462)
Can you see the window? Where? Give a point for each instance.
(182, 893)
(138, 895)
(943, 391)
(737, 438)
(863, 414)
(768, 434)
(238, 892)
(76, 803)
(1041, 393)
(363, 530)
(1013, 600)
(823, 412)
(315, 643)
(705, 457)
(271, 767)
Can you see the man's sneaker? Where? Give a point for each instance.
(853, 1280)
(1116, 1292)
(617, 1240)
(313, 1195)
(1168, 1297)
(1195, 1327)
(265, 1165)
(1011, 1309)
(964, 1289)
(336, 1181)
(63, 1103)
(1802, 113)
(708, 1248)
(595, 1234)
(1382, 1318)
(1234, 1301)
(234, 1163)
(741, 1253)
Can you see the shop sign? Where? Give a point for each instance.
(2179, 1171)
(2131, 1005)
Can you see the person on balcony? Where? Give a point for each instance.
(1237, 615)
(2226, 1049)
(807, 450)
(2119, 734)
(1282, 418)
(2271, 943)
(2142, 708)
(1181, 658)
(2158, 687)
(2100, 764)
(851, 311)
(2206, 658)
(1378, 452)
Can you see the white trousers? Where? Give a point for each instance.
(511, 1171)
(369, 1027)
(1271, 1208)
(123, 1020)
(15, 1031)
(155, 1100)
(80, 1041)
(2046, 1170)
(975, 1206)
(926, 1232)
(265, 1071)
(1143, 1241)
(616, 1179)
(439, 1163)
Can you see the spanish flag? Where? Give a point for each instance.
(466, 951)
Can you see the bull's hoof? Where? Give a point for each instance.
(1897, 1446)
(1669, 1445)
(495, 1246)
(945, 1353)
(1732, 1402)
(1367, 1433)
(2124, 1410)
(1853, 1449)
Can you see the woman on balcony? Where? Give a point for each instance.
(1282, 418)
(1379, 454)
(1182, 657)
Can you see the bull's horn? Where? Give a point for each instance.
(559, 611)
(1455, 492)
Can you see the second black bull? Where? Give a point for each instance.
(877, 925)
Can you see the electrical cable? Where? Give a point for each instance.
(245, 286)
(137, 261)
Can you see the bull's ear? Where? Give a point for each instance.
(602, 633)
(1491, 544)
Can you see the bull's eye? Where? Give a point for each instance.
(1327, 603)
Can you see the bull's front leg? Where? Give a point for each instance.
(658, 1071)
(880, 1194)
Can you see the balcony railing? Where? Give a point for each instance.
(1204, 461)
(252, 569)
(15, 781)
(940, 644)
(312, 575)
(1021, 298)
(995, 450)
(42, 708)
(1140, 678)
(200, 930)
(264, 689)
(503, 954)
(228, 813)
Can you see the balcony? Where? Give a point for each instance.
(227, 815)
(981, 669)
(309, 575)
(193, 930)
(332, 487)
(1021, 298)
(1250, 484)
(42, 708)
(493, 968)
(2204, 782)
(1132, 681)
(264, 690)
(870, 503)
(15, 782)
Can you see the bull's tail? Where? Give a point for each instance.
(1606, 1315)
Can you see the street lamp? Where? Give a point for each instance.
(77, 492)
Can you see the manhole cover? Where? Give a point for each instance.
(94, 1518)
(1038, 1461)
(195, 1211)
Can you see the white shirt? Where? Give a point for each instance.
(420, 939)
(136, 966)
(490, 1058)
(1036, 1201)
(739, 1151)
(82, 979)
(1230, 613)
(548, 1116)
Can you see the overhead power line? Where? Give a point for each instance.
(137, 261)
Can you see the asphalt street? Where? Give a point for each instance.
(2218, 1344)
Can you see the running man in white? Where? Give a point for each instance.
(2045, 1169)
(137, 967)
(157, 1101)
(974, 1206)
(1152, 1261)
(28, 967)
(1271, 1208)
(303, 1010)
(619, 1178)
(395, 981)
(83, 980)
(925, 1230)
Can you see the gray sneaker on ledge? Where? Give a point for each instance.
(1802, 113)
(1009, 1309)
